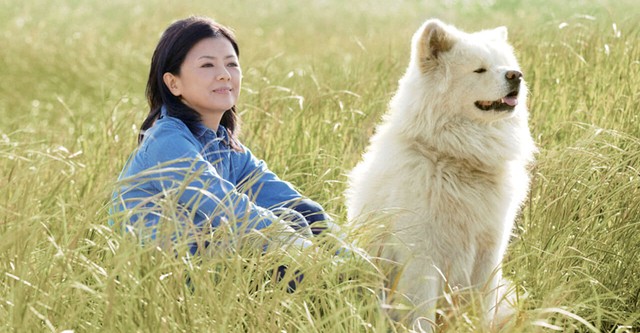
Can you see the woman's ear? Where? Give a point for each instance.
(173, 83)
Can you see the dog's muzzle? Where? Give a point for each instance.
(508, 102)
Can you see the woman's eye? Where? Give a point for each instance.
(232, 64)
(207, 65)
(480, 70)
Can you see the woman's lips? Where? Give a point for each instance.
(224, 90)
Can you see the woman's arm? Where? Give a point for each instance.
(179, 167)
(255, 178)
(174, 164)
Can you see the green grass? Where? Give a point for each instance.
(318, 76)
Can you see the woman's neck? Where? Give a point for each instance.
(211, 120)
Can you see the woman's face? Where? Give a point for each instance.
(210, 77)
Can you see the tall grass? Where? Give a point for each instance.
(317, 77)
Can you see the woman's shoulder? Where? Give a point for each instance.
(168, 124)
(168, 132)
(166, 129)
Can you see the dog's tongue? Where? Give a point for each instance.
(511, 101)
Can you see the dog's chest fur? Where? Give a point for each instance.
(458, 193)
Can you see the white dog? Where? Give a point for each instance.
(448, 166)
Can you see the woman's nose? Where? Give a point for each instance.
(223, 75)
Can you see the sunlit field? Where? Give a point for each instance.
(317, 77)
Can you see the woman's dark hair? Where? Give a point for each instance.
(168, 56)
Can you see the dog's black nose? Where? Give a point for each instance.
(513, 78)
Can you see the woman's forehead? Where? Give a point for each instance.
(211, 47)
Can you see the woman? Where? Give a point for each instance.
(189, 149)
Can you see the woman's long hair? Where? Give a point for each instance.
(168, 56)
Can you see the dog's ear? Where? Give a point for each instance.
(500, 33)
(434, 39)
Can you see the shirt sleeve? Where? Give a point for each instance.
(255, 178)
(178, 166)
(272, 192)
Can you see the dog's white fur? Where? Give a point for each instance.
(449, 177)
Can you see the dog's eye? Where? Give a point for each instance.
(480, 70)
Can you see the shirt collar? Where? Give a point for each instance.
(163, 111)
(200, 129)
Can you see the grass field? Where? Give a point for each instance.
(317, 77)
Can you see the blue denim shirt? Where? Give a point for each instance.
(213, 182)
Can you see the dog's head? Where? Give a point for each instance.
(476, 75)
